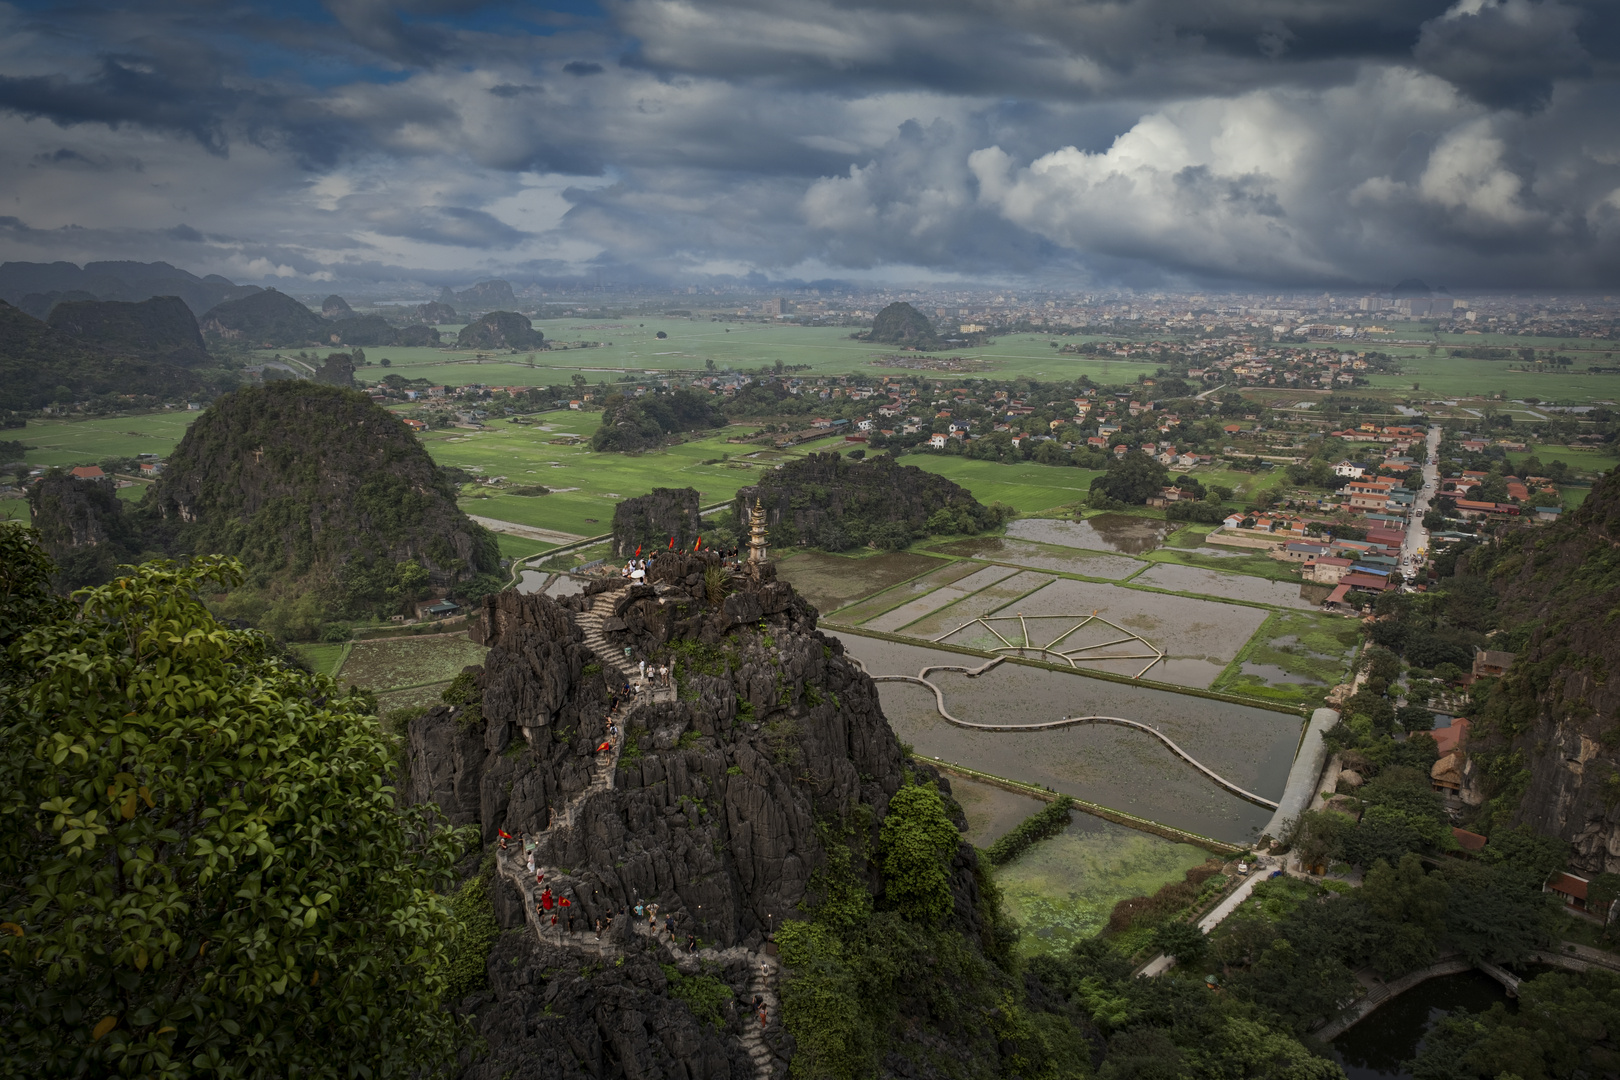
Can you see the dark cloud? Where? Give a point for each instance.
(1505, 54)
(1287, 141)
(126, 90)
(456, 226)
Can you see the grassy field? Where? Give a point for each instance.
(14, 510)
(630, 346)
(1581, 460)
(85, 442)
(517, 547)
(1453, 377)
(323, 659)
(1255, 565)
(1027, 487)
(586, 485)
(1295, 658)
(396, 663)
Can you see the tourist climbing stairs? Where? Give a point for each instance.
(512, 866)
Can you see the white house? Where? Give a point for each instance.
(1349, 469)
(937, 442)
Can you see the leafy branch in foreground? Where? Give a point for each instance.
(203, 866)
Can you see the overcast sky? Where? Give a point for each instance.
(1288, 143)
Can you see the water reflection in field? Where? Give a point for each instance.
(1124, 533)
(1109, 765)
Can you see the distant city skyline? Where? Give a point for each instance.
(1233, 146)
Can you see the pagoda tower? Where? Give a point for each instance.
(758, 552)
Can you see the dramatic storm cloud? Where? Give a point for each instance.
(1289, 142)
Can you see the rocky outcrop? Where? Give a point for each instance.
(267, 318)
(712, 804)
(161, 327)
(500, 330)
(832, 502)
(1558, 704)
(650, 522)
(902, 324)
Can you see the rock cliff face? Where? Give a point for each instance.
(500, 330)
(713, 806)
(649, 521)
(1558, 706)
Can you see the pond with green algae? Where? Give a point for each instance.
(1062, 890)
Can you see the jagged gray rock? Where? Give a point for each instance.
(708, 804)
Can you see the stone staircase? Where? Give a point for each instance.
(511, 865)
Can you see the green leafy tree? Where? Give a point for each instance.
(917, 841)
(203, 867)
(1133, 478)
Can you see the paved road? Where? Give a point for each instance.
(1417, 537)
(528, 532)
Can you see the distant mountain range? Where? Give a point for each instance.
(38, 287)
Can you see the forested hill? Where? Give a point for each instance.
(40, 364)
(300, 480)
(1549, 730)
(902, 324)
(831, 502)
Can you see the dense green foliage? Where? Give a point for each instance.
(476, 931)
(1170, 1027)
(162, 326)
(830, 502)
(39, 366)
(203, 867)
(705, 995)
(916, 844)
(267, 318)
(1049, 820)
(641, 423)
(1129, 480)
(1565, 1025)
(326, 497)
(83, 526)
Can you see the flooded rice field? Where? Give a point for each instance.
(1065, 560)
(992, 812)
(1013, 589)
(1124, 533)
(912, 610)
(1199, 637)
(831, 581)
(1215, 583)
(894, 597)
(1113, 766)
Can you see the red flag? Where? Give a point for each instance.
(638, 549)
(672, 543)
(506, 835)
(698, 544)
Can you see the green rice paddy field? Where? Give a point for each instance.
(631, 346)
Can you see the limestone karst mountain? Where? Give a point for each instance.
(725, 800)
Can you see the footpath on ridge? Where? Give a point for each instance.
(612, 942)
